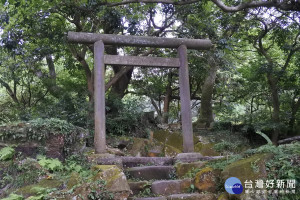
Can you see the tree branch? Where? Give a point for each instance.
(9, 91)
(293, 5)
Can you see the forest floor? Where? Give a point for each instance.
(151, 167)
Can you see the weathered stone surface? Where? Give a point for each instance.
(137, 187)
(55, 146)
(194, 196)
(35, 189)
(151, 172)
(116, 181)
(189, 157)
(183, 168)
(137, 161)
(206, 180)
(115, 151)
(251, 168)
(110, 161)
(206, 149)
(194, 157)
(167, 187)
(94, 158)
(138, 147)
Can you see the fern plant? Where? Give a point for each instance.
(6, 153)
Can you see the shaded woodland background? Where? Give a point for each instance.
(250, 79)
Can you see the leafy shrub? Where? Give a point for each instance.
(6, 153)
(123, 116)
(50, 164)
(225, 146)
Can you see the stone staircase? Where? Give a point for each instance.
(156, 177)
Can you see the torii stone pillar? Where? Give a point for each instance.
(99, 40)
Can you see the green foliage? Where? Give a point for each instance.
(222, 163)
(126, 120)
(225, 146)
(50, 164)
(284, 164)
(14, 197)
(6, 153)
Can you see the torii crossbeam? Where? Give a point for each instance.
(100, 60)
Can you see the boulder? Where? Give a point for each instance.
(40, 187)
(53, 137)
(248, 169)
(109, 183)
(206, 180)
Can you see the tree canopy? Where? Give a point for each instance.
(250, 77)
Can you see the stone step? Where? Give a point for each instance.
(168, 187)
(138, 186)
(194, 157)
(151, 172)
(193, 196)
(147, 198)
(139, 161)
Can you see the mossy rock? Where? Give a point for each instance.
(112, 175)
(184, 168)
(113, 182)
(139, 147)
(251, 168)
(206, 149)
(223, 196)
(36, 189)
(248, 169)
(73, 180)
(171, 141)
(206, 180)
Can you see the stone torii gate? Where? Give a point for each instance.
(100, 60)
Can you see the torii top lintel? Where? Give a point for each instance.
(138, 41)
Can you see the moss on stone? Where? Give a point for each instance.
(73, 180)
(251, 168)
(206, 149)
(183, 168)
(206, 180)
(36, 189)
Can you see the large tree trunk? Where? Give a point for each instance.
(295, 107)
(206, 114)
(272, 81)
(167, 100)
